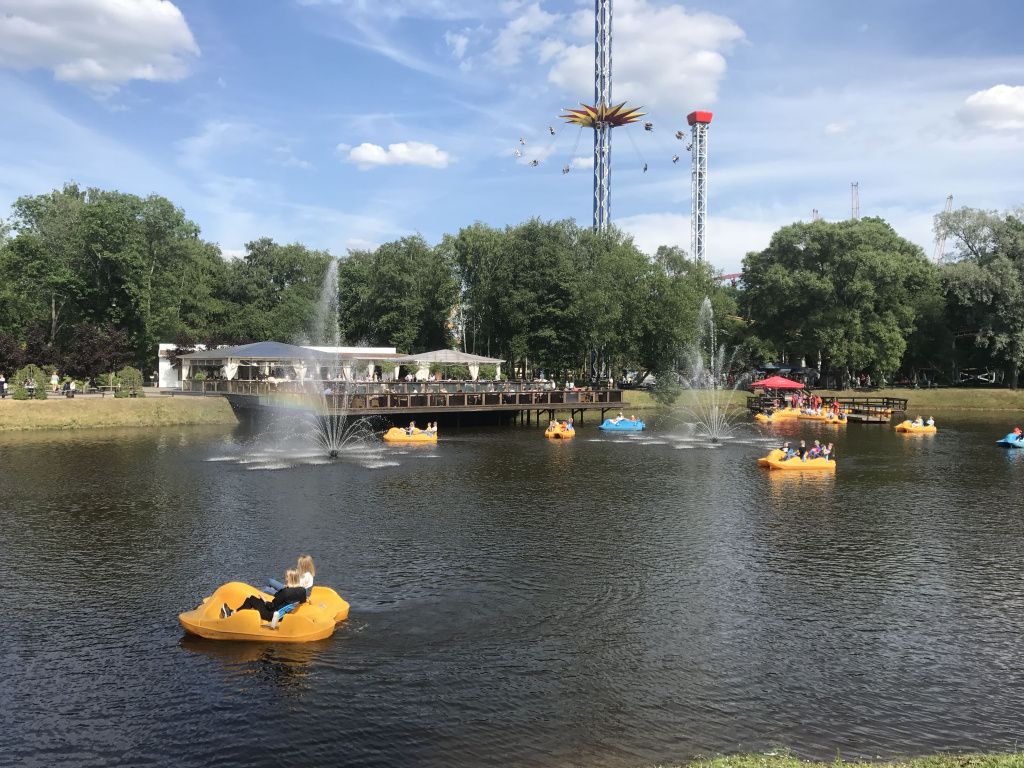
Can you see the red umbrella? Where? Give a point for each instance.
(777, 382)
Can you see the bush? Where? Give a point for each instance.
(130, 379)
(106, 380)
(199, 377)
(36, 374)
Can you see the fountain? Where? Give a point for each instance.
(325, 322)
(707, 366)
(333, 430)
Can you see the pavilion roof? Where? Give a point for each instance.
(260, 350)
(449, 357)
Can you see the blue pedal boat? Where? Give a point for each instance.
(625, 425)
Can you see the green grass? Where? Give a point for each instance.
(640, 400)
(81, 412)
(1015, 760)
(947, 399)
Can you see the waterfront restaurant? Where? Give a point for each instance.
(286, 367)
(275, 363)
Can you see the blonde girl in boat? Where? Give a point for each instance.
(307, 572)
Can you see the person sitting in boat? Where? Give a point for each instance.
(568, 425)
(552, 425)
(802, 451)
(814, 451)
(293, 592)
(930, 422)
(632, 417)
(790, 452)
(411, 429)
(1017, 434)
(826, 452)
(431, 428)
(618, 419)
(918, 422)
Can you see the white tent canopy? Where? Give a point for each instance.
(450, 357)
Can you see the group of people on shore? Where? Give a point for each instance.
(293, 591)
(802, 452)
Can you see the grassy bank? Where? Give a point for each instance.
(640, 400)
(949, 400)
(62, 413)
(1015, 760)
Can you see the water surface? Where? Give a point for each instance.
(609, 601)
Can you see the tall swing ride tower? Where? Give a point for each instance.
(699, 122)
(603, 115)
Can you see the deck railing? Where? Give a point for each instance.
(404, 396)
(760, 403)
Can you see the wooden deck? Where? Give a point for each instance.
(437, 400)
(864, 410)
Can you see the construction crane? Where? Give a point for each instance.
(940, 234)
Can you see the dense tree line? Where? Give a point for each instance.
(92, 280)
(852, 297)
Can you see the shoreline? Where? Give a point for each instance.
(165, 410)
(940, 760)
(60, 413)
(946, 400)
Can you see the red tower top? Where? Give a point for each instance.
(698, 117)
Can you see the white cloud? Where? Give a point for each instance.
(583, 162)
(838, 127)
(367, 155)
(999, 108)
(509, 45)
(458, 42)
(664, 56)
(98, 43)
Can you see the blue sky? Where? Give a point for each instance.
(346, 123)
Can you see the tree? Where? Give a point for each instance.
(848, 291)
(403, 294)
(984, 286)
(272, 292)
(102, 257)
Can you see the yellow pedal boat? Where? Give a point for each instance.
(909, 426)
(399, 435)
(797, 464)
(813, 417)
(313, 620)
(560, 432)
(773, 455)
(782, 413)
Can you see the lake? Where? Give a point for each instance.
(607, 601)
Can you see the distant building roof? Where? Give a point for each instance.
(447, 356)
(260, 350)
